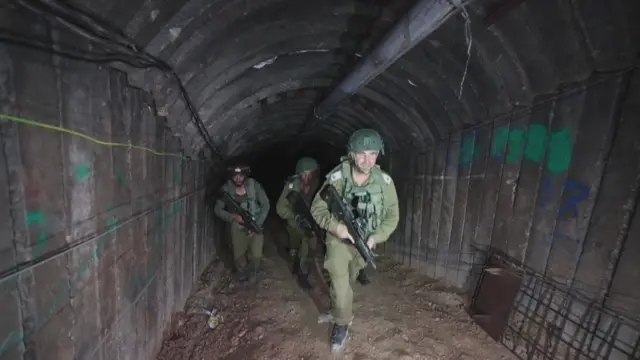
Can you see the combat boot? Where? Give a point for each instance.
(252, 273)
(339, 335)
(303, 280)
(362, 278)
(244, 275)
(293, 254)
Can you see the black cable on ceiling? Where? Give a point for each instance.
(125, 51)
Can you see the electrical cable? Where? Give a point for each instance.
(62, 15)
(28, 265)
(87, 137)
(9, 37)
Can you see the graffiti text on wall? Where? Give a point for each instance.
(530, 143)
(575, 194)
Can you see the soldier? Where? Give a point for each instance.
(302, 241)
(359, 179)
(251, 196)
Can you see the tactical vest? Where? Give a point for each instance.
(249, 201)
(369, 197)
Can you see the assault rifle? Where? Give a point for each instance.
(249, 221)
(355, 226)
(302, 208)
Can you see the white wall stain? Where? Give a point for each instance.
(174, 33)
(262, 64)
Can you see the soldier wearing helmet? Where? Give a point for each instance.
(302, 242)
(373, 191)
(246, 245)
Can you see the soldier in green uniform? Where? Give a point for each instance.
(251, 196)
(359, 180)
(302, 241)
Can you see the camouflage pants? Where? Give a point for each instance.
(305, 243)
(246, 247)
(343, 263)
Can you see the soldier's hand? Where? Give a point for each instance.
(371, 242)
(343, 233)
(250, 233)
(238, 219)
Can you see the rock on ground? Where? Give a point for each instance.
(401, 315)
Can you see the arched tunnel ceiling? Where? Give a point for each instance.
(254, 69)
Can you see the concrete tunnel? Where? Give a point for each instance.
(511, 131)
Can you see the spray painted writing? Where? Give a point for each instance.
(575, 193)
(530, 143)
(82, 172)
(37, 219)
(62, 295)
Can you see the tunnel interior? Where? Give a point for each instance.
(511, 134)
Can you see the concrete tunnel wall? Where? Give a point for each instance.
(551, 189)
(110, 239)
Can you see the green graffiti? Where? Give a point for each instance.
(560, 151)
(536, 143)
(120, 177)
(38, 249)
(141, 277)
(176, 176)
(500, 140)
(35, 217)
(112, 223)
(516, 145)
(467, 149)
(82, 172)
(176, 208)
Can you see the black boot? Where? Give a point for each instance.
(339, 335)
(243, 275)
(303, 281)
(363, 279)
(252, 273)
(293, 254)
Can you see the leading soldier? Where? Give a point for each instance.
(358, 179)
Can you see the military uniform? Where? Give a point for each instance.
(302, 241)
(256, 202)
(377, 201)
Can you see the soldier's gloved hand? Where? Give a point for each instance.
(343, 233)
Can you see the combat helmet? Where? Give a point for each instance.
(365, 140)
(306, 164)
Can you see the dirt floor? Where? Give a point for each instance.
(401, 315)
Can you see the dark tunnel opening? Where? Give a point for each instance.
(275, 164)
(511, 131)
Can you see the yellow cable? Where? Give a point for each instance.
(84, 136)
